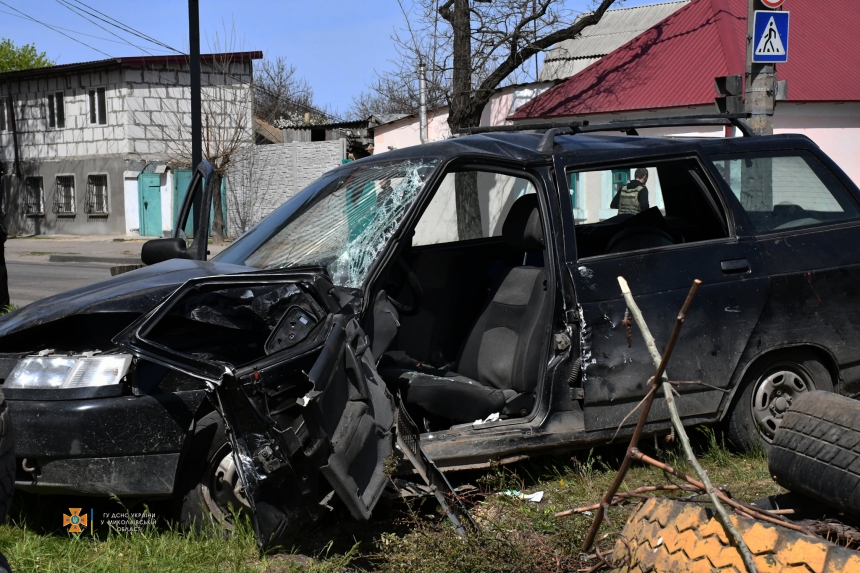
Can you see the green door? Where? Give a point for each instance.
(620, 178)
(149, 194)
(181, 179)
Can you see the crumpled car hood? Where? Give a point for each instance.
(137, 291)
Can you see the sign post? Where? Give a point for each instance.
(767, 44)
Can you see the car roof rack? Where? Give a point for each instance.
(628, 126)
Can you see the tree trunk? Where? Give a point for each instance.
(218, 216)
(461, 113)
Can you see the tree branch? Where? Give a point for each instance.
(515, 59)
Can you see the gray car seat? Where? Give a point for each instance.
(498, 367)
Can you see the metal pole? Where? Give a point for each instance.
(196, 121)
(422, 94)
(759, 89)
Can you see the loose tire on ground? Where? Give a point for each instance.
(202, 483)
(671, 536)
(795, 372)
(816, 451)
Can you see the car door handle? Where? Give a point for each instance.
(735, 266)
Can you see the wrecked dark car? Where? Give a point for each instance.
(455, 304)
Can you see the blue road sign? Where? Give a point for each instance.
(770, 37)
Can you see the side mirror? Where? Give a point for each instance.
(160, 250)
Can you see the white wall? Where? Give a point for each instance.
(132, 208)
(405, 132)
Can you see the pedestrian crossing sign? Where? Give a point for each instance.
(770, 37)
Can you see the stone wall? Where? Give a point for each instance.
(79, 138)
(148, 113)
(263, 177)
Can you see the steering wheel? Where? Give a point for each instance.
(414, 286)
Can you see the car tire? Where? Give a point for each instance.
(210, 488)
(816, 451)
(4, 564)
(767, 391)
(7, 460)
(666, 536)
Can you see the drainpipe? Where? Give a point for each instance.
(422, 109)
(14, 132)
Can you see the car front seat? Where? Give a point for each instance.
(498, 366)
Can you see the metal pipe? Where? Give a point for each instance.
(196, 105)
(422, 107)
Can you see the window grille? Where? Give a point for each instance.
(56, 110)
(64, 196)
(4, 114)
(98, 106)
(97, 191)
(34, 196)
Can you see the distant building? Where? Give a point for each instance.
(616, 28)
(403, 131)
(103, 147)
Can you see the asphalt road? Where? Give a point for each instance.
(29, 282)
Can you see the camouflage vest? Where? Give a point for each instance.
(628, 202)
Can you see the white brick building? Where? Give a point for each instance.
(104, 147)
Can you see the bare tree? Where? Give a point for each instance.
(279, 91)
(473, 47)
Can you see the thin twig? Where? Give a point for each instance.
(660, 362)
(619, 497)
(744, 550)
(648, 396)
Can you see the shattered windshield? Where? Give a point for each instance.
(348, 223)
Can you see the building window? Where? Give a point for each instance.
(56, 110)
(4, 114)
(34, 196)
(98, 107)
(97, 193)
(64, 195)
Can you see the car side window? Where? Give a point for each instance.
(786, 191)
(634, 207)
(469, 205)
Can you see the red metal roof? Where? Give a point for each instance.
(674, 63)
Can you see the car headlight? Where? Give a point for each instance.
(52, 372)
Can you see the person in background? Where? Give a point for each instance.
(633, 197)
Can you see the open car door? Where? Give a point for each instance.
(288, 367)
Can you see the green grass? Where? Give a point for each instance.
(414, 538)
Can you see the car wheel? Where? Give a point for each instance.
(769, 388)
(7, 460)
(212, 490)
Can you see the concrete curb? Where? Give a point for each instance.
(94, 259)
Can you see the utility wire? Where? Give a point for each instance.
(54, 29)
(68, 29)
(81, 13)
(116, 23)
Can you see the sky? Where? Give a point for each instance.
(337, 45)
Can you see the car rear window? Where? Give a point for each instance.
(781, 192)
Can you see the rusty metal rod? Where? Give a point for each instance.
(731, 531)
(619, 497)
(660, 362)
(754, 513)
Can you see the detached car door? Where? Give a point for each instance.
(289, 369)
